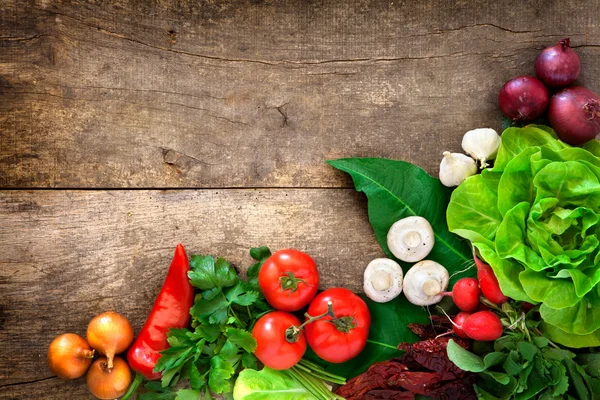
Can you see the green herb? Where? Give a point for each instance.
(535, 218)
(219, 344)
(525, 365)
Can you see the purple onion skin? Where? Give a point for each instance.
(523, 98)
(558, 66)
(574, 114)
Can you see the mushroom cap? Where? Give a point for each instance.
(383, 280)
(424, 283)
(411, 239)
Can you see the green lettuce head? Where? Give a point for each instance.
(535, 218)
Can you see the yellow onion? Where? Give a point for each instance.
(108, 383)
(69, 356)
(109, 333)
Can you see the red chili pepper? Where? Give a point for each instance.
(171, 310)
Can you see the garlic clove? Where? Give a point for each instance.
(455, 168)
(482, 144)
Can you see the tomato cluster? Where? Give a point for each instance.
(336, 325)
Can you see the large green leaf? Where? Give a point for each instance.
(396, 190)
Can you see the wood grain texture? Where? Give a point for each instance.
(244, 93)
(66, 256)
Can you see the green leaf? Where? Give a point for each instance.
(178, 337)
(209, 332)
(591, 361)
(249, 360)
(197, 380)
(499, 377)
(260, 253)
(512, 364)
(569, 339)
(528, 351)
(241, 295)
(172, 357)
(389, 323)
(157, 392)
(493, 359)
(212, 311)
(396, 190)
(464, 359)
(187, 394)
(577, 379)
(269, 384)
(206, 274)
(220, 372)
(242, 338)
(229, 350)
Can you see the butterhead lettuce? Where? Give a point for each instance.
(535, 218)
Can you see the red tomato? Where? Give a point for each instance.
(289, 279)
(273, 349)
(330, 342)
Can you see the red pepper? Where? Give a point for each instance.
(171, 310)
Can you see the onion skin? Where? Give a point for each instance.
(574, 114)
(108, 383)
(69, 356)
(109, 333)
(558, 66)
(523, 98)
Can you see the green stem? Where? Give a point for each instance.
(319, 372)
(133, 387)
(382, 344)
(314, 387)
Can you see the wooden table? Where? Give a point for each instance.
(209, 122)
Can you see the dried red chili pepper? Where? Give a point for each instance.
(423, 369)
(171, 310)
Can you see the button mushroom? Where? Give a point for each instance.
(411, 239)
(425, 283)
(383, 280)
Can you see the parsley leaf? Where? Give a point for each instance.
(220, 372)
(242, 338)
(206, 274)
(186, 394)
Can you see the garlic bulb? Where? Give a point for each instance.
(482, 144)
(455, 168)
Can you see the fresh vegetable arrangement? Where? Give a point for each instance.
(490, 288)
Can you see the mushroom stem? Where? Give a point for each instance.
(432, 287)
(412, 239)
(381, 280)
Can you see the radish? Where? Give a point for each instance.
(483, 325)
(489, 283)
(459, 320)
(465, 294)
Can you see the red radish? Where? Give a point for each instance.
(482, 307)
(465, 294)
(459, 320)
(483, 325)
(489, 283)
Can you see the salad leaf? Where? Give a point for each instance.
(535, 219)
(268, 384)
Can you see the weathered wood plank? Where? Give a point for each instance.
(67, 255)
(257, 93)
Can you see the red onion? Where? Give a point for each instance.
(574, 114)
(558, 66)
(523, 98)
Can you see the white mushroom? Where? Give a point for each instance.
(425, 282)
(411, 239)
(383, 280)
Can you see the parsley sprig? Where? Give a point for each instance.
(219, 343)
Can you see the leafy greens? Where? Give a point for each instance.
(535, 218)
